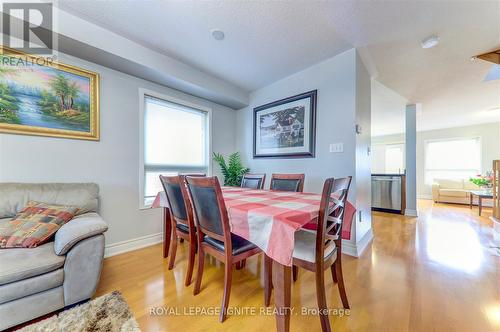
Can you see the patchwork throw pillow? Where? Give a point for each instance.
(34, 225)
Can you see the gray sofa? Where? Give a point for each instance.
(37, 281)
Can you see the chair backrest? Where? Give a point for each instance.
(331, 214)
(209, 208)
(287, 182)
(253, 181)
(178, 199)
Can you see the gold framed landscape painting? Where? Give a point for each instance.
(39, 96)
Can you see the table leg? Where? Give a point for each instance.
(480, 203)
(471, 199)
(282, 281)
(167, 231)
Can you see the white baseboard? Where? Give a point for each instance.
(356, 250)
(424, 196)
(411, 213)
(132, 244)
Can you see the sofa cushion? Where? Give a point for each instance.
(15, 196)
(34, 225)
(450, 184)
(462, 193)
(21, 263)
(33, 285)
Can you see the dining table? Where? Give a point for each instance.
(269, 219)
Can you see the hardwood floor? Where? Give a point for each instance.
(431, 273)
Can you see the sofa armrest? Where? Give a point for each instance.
(435, 192)
(78, 229)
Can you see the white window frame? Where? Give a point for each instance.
(169, 98)
(426, 143)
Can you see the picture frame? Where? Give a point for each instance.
(286, 128)
(40, 96)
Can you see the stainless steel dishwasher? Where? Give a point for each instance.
(386, 193)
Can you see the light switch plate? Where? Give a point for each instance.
(337, 147)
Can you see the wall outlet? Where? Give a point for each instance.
(337, 147)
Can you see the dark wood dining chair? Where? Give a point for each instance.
(214, 234)
(181, 216)
(320, 249)
(287, 182)
(253, 181)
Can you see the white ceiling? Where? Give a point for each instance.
(265, 41)
(268, 40)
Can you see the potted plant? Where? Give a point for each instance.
(233, 171)
(483, 181)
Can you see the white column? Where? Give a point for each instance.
(411, 159)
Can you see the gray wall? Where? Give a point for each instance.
(336, 82)
(113, 162)
(490, 143)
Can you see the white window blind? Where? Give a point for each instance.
(175, 141)
(452, 159)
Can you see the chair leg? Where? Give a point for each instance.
(199, 272)
(181, 240)
(173, 250)
(321, 296)
(295, 272)
(189, 272)
(228, 277)
(167, 232)
(340, 279)
(268, 281)
(334, 275)
(239, 265)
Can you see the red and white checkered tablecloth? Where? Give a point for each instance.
(269, 219)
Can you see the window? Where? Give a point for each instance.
(388, 158)
(395, 158)
(452, 159)
(175, 140)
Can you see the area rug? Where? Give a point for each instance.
(108, 313)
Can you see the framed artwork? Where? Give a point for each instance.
(286, 128)
(43, 97)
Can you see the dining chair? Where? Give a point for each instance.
(287, 182)
(214, 234)
(181, 216)
(253, 181)
(190, 174)
(320, 249)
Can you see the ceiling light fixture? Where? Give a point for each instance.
(430, 42)
(218, 34)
